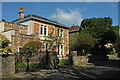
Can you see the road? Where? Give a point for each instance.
(70, 73)
(109, 69)
(99, 72)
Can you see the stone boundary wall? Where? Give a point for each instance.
(78, 60)
(0, 67)
(112, 56)
(36, 58)
(97, 58)
(8, 65)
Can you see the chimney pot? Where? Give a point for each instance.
(21, 14)
(73, 27)
(21, 9)
(55, 21)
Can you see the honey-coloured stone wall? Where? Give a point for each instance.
(22, 28)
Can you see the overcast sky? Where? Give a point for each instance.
(67, 13)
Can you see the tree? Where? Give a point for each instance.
(30, 48)
(52, 42)
(117, 46)
(4, 45)
(116, 30)
(102, 31)
(109, 37)
(82, 42)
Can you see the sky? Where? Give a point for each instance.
(67, 13)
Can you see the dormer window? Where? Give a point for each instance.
(43, 30)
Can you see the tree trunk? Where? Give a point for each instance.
(27, 60)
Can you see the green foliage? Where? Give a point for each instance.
(4, 45)
(21, 65)
(102, 32)
(117, 46)
(63, 62)
(97, 27)
(109, 37)
(112, 51)
(53, 40)
(95, 22)
(32, 47)
(33, 65)
(116, 29)
(82, 42)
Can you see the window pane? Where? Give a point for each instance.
(61, 33)
(58, 50)
(58, 32)
(41, 29)
(61, 49)
(45, 30)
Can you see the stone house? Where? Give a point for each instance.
(73, 30)
(32, 27)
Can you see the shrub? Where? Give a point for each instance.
(21, 65)
(63, 62)
(33, 65)
(112, 51)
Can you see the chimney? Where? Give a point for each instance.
(73, 27)
(55, 21)
(21, 14)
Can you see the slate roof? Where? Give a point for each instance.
(39, 18)
(13, 23)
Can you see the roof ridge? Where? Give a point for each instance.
(40, 17)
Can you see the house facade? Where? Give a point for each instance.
(73, 30)
(33, 27)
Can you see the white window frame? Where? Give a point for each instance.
(43, 30)
(61, 50)
(46, 30)
(61, 33)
